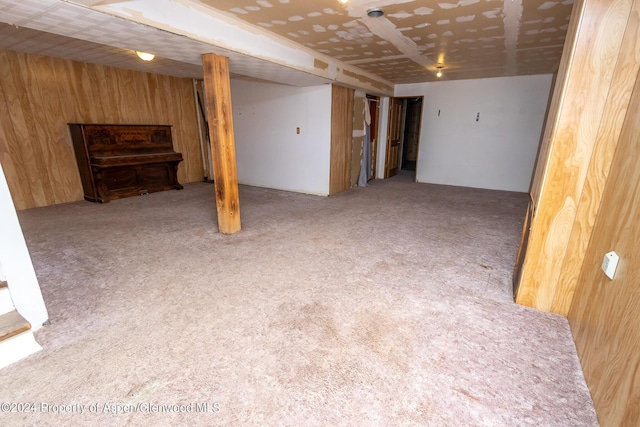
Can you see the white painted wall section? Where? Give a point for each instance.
(269, 151)
(16, 262)
(383, 127)
(497, 151)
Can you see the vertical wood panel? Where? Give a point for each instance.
(113, 107)
(61, 156)
(40, 95)
(605, 314)
(188, 142)
(581, 109)
(24, 74)
(615, 110)
(18, 113)
(9, 147)
(73, 104)
(559, 89)
(342, 101)
(91, 84)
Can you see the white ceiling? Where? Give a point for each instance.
(65, 30)
(470, 38)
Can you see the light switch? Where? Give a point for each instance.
(609, 264)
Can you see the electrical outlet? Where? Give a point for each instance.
(610, 263)
(298, 131)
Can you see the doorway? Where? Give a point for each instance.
(403, 135)
(413, 120)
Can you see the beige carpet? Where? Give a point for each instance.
(382, 306)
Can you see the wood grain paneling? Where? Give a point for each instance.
(39, 95)
(342, 100)
(581, 109)
(605, 314)
(559, 88)
(626, 69)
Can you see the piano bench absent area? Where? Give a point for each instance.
(117, 161)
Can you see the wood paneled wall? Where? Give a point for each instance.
(586, 191)
(39, 95)
(589, 102)
(342, 100)
(605, 315)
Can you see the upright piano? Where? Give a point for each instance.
(117, 161)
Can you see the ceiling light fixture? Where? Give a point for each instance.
(439, 68)
(375, 12)
(145, 56)
(343, 1)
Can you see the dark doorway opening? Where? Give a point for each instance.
(411, 140)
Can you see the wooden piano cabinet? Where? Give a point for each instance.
(117, 161)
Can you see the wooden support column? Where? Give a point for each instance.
(217, 88)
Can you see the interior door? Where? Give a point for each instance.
(394, 138)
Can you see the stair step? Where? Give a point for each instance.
(6, 303)
(12, 324)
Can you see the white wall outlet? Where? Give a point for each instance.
(609, 264)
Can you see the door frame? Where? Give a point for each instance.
(374, 134)
(401, 125)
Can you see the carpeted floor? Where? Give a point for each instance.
(381, 306)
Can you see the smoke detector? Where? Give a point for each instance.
(375, 12)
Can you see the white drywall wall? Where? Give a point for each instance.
(496, 152)
(269, 152)
(16, 262)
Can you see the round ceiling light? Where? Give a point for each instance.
(145, 56)
(375, 12)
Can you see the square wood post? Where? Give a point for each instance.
(217, 88)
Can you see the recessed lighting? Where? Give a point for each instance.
(343, 1)
(145, 56)
(375, 12)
